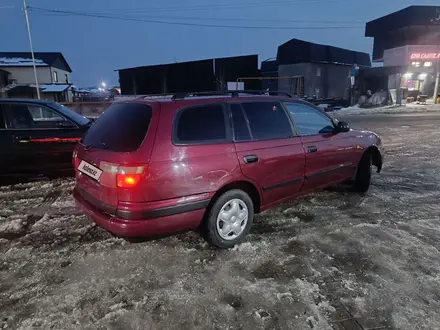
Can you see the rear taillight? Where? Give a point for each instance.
(115, 175)
(128, 177)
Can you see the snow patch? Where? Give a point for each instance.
(408, 108)
(11, 227)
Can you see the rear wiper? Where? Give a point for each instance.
(102, 145)
(88, 147)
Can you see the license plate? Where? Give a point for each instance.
(90, 170)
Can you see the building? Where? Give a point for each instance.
(205, 75)
(318, 71)
(269, 75)
(53, 73)
(407, 42)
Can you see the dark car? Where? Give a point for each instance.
(152, 167)
(37, 137)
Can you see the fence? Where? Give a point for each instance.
(88, 109)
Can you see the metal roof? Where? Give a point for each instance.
(409, 16)
(50, 58)
(299, 51)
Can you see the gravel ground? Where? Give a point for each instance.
(332, 260)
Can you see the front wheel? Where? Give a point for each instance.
(229, 220)
(362, 181)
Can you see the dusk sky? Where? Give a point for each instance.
(95, 47)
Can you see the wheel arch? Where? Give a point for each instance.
(376, 157)
(247, 186)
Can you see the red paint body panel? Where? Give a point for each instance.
(179, 170)
(332, 162)
(280, 162)
(176, 176)
(136, 228)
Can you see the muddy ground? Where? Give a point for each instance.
(332, 260)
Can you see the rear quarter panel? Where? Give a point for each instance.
(179, 170)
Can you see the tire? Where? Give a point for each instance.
(233, 205)
(362, 181)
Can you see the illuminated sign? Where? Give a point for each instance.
(425, 56)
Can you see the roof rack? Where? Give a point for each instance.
(235, 93)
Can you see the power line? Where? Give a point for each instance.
(155, 21)
(204, 18)
(216, 6)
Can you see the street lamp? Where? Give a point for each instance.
(103, 84)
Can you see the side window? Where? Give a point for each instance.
(309, 121)
(201, 124)
(42, 113)
(18, 116)
(241, 129)
(267, 120)
(24, 116)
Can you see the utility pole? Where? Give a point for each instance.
(25, 7)
(437, 82)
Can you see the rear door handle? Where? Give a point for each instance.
(250, 159)
(312, 149)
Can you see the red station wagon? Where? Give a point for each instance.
(211, 162)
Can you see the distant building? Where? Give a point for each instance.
(319, 71)
(269, 75)
(195, 76)
(407, 42)
(53, 72)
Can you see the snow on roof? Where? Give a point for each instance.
(45, 88)
(20, 61)
(52, 88)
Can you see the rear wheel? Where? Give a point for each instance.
(229, 220)
(362, 181)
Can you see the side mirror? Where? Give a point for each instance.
(342, 127)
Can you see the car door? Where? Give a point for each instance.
(57, 134)
(269, 152)
(329, 155)
(43, 139)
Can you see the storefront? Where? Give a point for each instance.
(419, 65)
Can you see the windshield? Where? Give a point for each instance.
(81, 120)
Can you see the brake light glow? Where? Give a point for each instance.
(115, 175)
(128, 180)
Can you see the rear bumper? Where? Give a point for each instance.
(161, 221)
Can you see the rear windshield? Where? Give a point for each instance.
(122, 127)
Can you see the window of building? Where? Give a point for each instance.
(318, 72)
(201, 124)
(415, 64)
(309, 121)
(427, 64)
(241, 129)
(267, 120)
(55, 76)
(66, 78)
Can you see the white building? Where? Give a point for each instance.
(53, 73)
